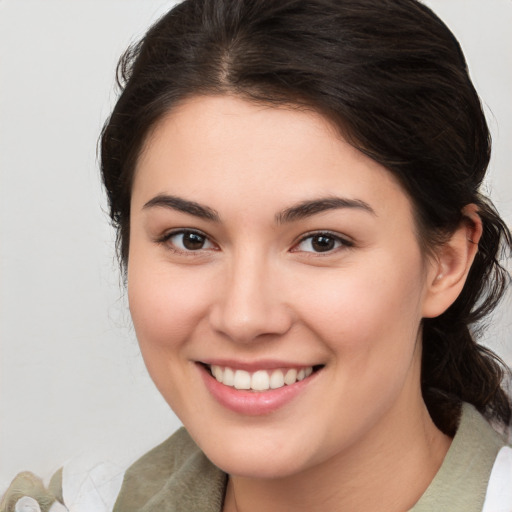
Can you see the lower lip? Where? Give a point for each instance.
(253, 403)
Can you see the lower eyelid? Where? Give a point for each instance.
(341, 241)
(169, 234)
(165, 239)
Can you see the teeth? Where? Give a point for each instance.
(276, 379)
(228, 378)
(242, 380)
(290, 377)
(261, 380)
(217, 373)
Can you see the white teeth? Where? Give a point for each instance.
(217, 372)
(261, 380)
(228, 378)
(290, 377)
(242, 380)
(276, 379)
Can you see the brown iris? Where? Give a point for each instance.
(322, 243)
(193, 241)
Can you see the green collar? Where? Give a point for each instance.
(461, 482)
(176, 476)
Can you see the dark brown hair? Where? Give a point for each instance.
(393, 78)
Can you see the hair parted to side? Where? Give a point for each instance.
(394, 80)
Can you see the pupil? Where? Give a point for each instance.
(323, 243)
(193, 241)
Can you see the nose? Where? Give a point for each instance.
(250, 303)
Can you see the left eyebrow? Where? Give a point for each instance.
(183, 205)
(309, 208)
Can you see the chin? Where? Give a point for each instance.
(258, 465)
(251, 453)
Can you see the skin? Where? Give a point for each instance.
(358, 435)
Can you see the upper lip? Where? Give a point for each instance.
(252, 366)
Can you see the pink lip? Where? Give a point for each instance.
(253, 366)
(253, 403)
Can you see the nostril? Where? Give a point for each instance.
(247, 324)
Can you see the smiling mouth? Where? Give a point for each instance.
(260, 380)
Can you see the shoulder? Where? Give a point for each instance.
(175, 474)
(464, 482)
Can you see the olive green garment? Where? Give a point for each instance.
(461, 482)
(177, 477)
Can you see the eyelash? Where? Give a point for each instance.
(166, 240)
(342, 243)
(338, 241)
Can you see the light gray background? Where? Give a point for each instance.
(72, 380)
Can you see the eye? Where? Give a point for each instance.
(188, 241)
(321, 243)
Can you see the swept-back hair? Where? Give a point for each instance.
(393, 79)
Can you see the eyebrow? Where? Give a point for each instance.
(309, 208)
(183, 205)
(291, 214)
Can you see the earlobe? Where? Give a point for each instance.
(450, 267)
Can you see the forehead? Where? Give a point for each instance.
(216, 148)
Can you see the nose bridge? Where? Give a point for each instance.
(250, 303)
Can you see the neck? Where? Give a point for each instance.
(387, 471)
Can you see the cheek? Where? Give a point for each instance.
(166, 307)
(165, 303)
(368, 307)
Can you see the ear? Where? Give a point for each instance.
(449, 268)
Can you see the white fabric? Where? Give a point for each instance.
(91, 490)
(499, 490)
(58, 507)
(27, 504)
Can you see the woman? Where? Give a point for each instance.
(295, 186)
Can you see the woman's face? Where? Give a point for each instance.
(265, 249)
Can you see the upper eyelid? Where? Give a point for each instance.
(345, 244)
(343, 238)
(164, 239)
(176, 231)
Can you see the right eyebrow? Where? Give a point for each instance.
(315, 206)
(183, 205)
